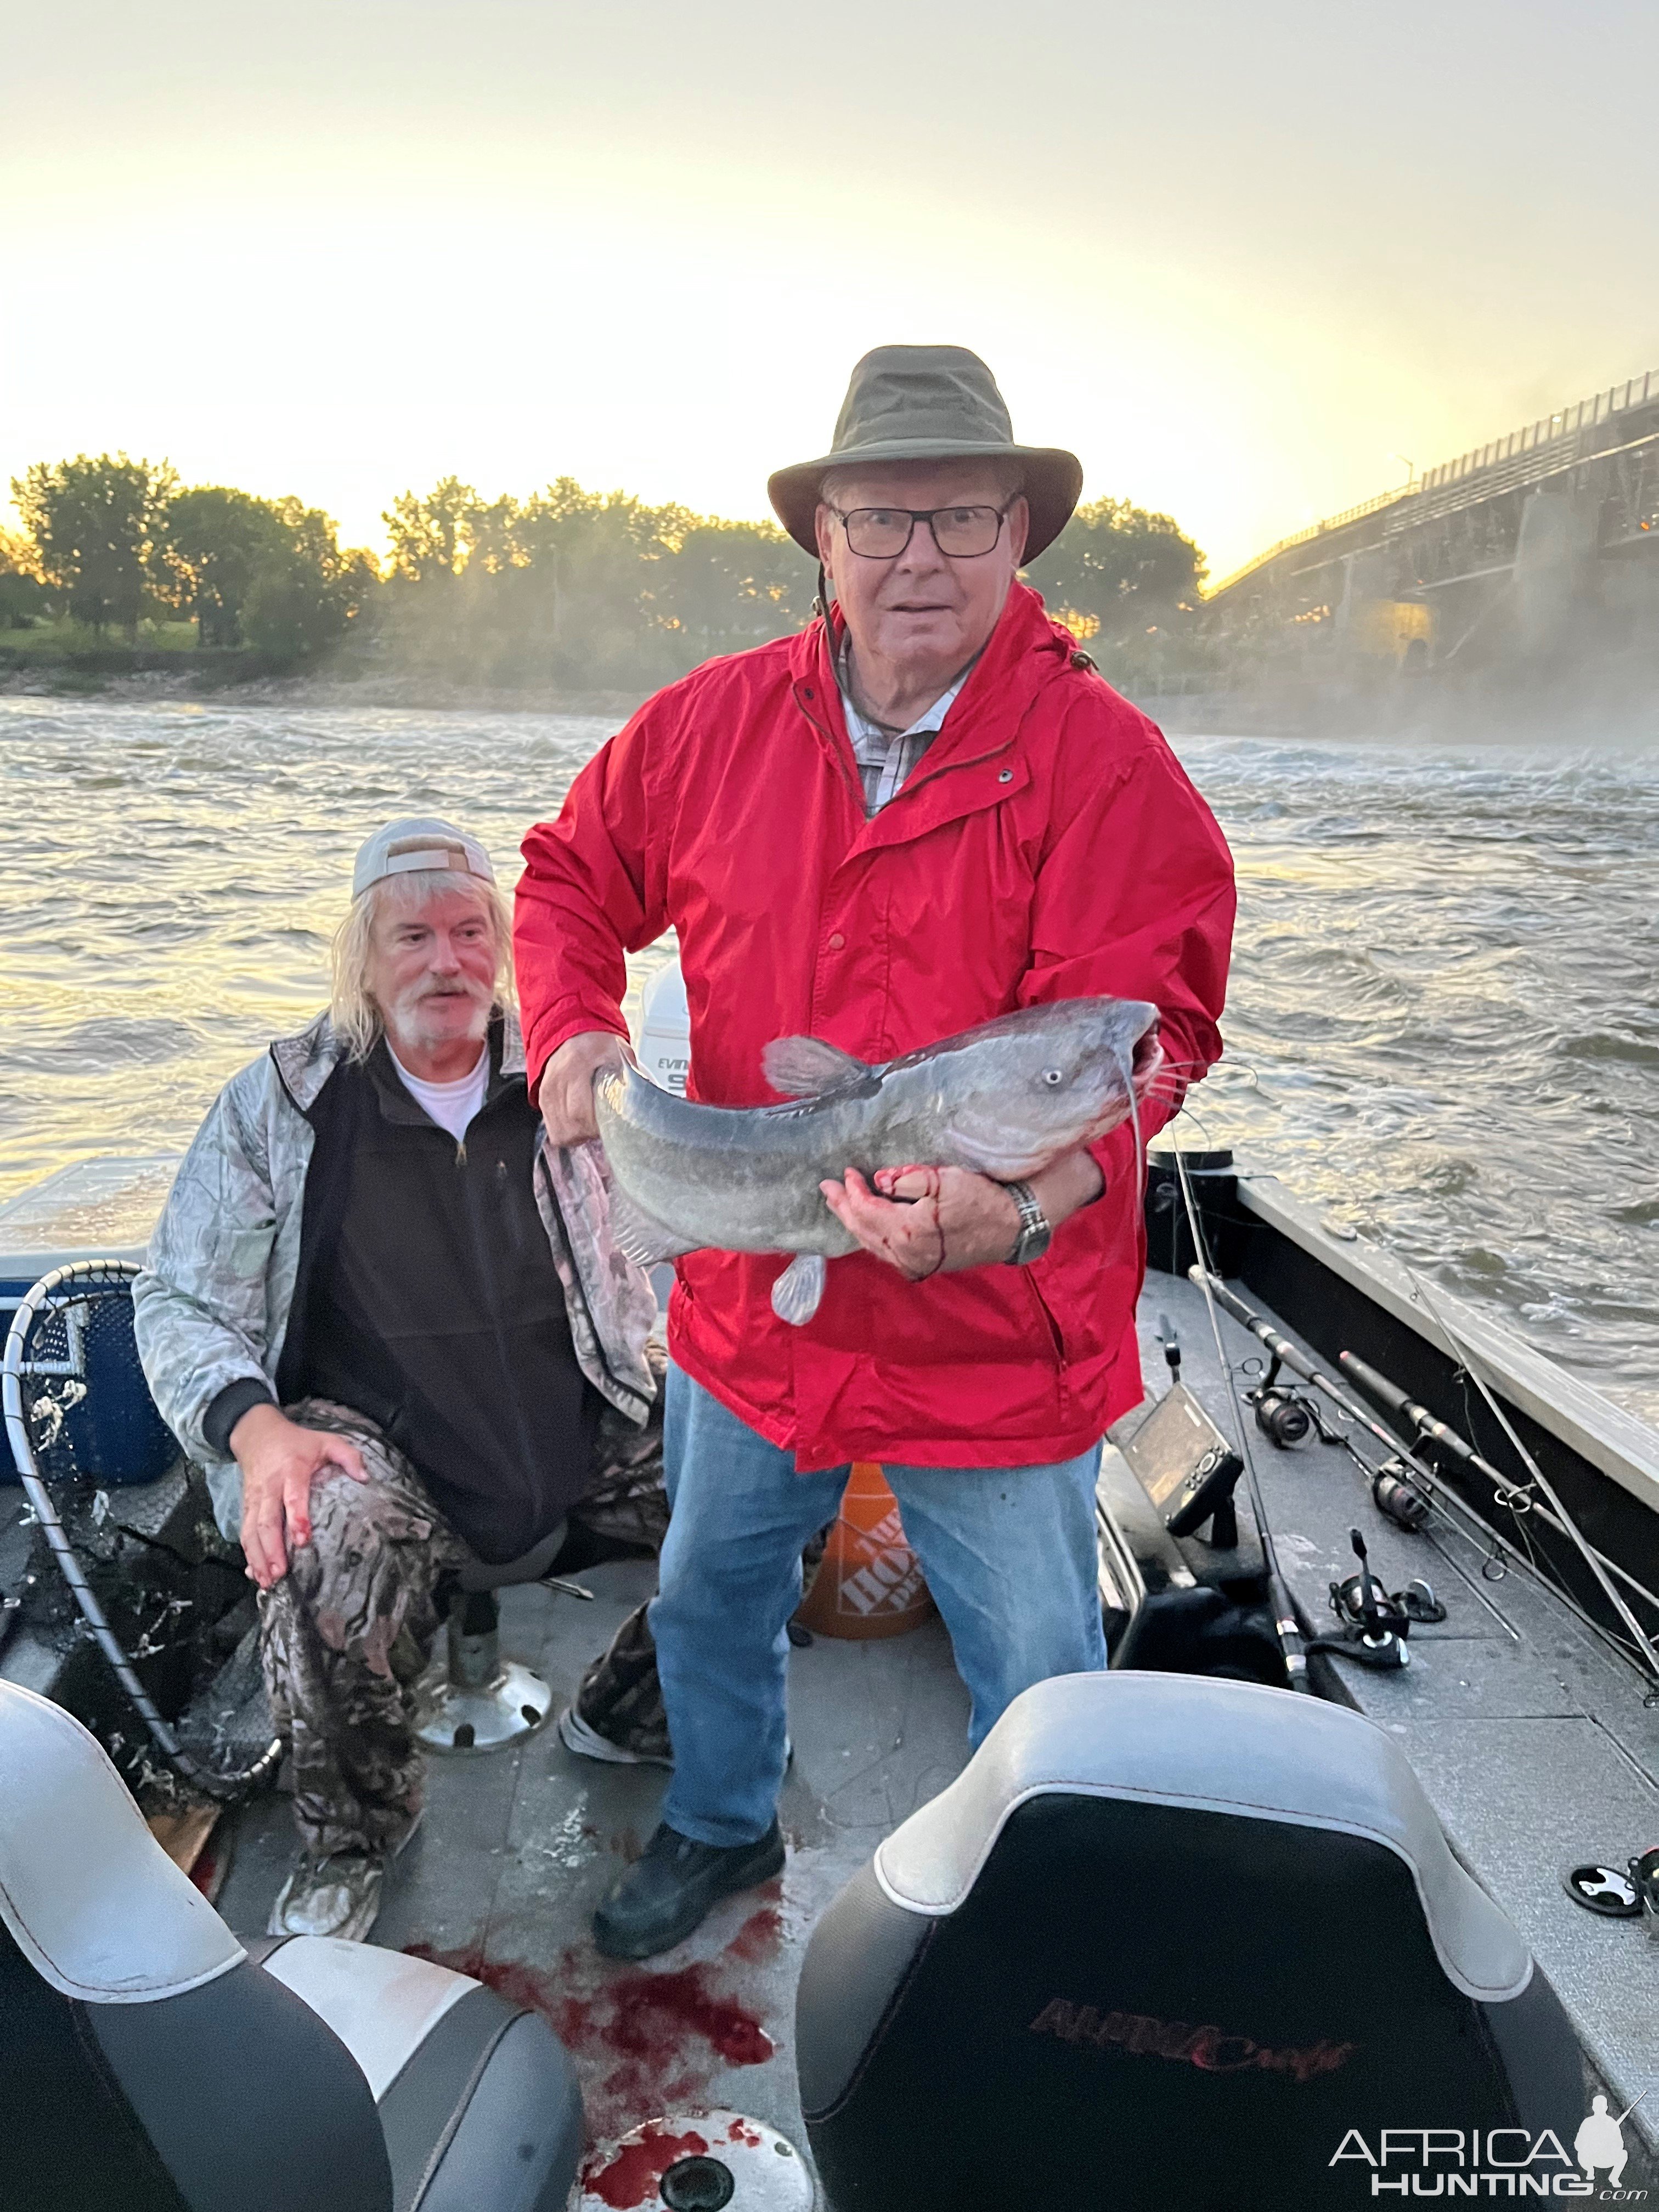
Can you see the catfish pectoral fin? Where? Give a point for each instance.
(796, 1293)
(640, 1235)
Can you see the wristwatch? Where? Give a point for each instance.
(1035, 1228)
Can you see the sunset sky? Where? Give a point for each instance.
(1238, 258)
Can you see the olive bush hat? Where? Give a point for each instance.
(936, 403)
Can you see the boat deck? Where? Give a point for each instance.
(518, 1845)
(1531, 1738)
(1533, 1741)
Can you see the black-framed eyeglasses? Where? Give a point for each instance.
(881, 533)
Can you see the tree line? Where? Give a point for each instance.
(566, 587)
(109, 543)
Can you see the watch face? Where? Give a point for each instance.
(1034, 1241)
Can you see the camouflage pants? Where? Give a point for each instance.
(348, 1631)
(345, 1635)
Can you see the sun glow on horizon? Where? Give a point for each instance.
(401, 239)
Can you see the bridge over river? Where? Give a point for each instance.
(1544, 538)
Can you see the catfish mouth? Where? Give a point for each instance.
(1140, 1016)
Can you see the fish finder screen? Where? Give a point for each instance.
(1170, 1443)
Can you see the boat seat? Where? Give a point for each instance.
(1166, 1940)
(149, 2061)
(476, 1574)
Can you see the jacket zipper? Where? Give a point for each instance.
(1056, 1340)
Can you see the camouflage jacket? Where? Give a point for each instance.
(211, 1306)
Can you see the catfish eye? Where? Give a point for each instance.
(1053, 1077)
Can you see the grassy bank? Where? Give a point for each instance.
(57, 641)
(68, 657)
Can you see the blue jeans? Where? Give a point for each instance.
(1009, 1554)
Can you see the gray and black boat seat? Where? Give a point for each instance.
(1169, 1941)
(148, 2060)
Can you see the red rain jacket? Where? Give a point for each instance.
(1047, 846)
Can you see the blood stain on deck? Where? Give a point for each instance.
(644, 2042)
(759, 1936)
(633, 2175)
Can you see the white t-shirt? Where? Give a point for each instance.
(452, 1105)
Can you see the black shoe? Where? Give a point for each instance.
(666, 1893)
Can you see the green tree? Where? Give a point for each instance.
(727, 585)
(290, 614)
(429, 536)
(305, 591)
(1120, 570)
(595, 553)
(23, 597)
(93, 524)
(493, 535)
(213, 543)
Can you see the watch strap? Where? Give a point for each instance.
(1035, 1228)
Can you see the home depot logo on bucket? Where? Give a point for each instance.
(870, 1582)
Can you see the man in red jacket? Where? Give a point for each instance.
(925, 811)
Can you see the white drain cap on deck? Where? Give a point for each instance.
(696, 2162)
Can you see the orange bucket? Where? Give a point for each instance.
(870, 1582)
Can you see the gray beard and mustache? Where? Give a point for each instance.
(406, 1024)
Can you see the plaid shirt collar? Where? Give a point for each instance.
(885, 757)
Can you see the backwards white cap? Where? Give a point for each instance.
(418, 840)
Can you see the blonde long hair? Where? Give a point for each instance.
(356, 1015)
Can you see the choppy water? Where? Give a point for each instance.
(1445, 1011)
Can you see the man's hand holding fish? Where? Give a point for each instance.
(941, 896)
(931, 1221)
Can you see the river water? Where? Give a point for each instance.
(1444, 1028)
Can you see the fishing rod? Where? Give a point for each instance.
(1514, 1497)
(1540, 1480)
(1297, 1361)
(1287, 1627)
(1395, 1400)
(1287, 1355)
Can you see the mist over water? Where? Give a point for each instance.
(1443, 1024)
(1444, 1019)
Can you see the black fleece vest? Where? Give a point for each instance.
(426, 1299)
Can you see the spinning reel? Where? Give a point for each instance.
(1376, 1622)
(1284, 1416)
(1627, 1892)
(1393, 1493)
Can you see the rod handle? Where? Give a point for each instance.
(1375, 1386)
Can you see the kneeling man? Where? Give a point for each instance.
(387, 1322)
